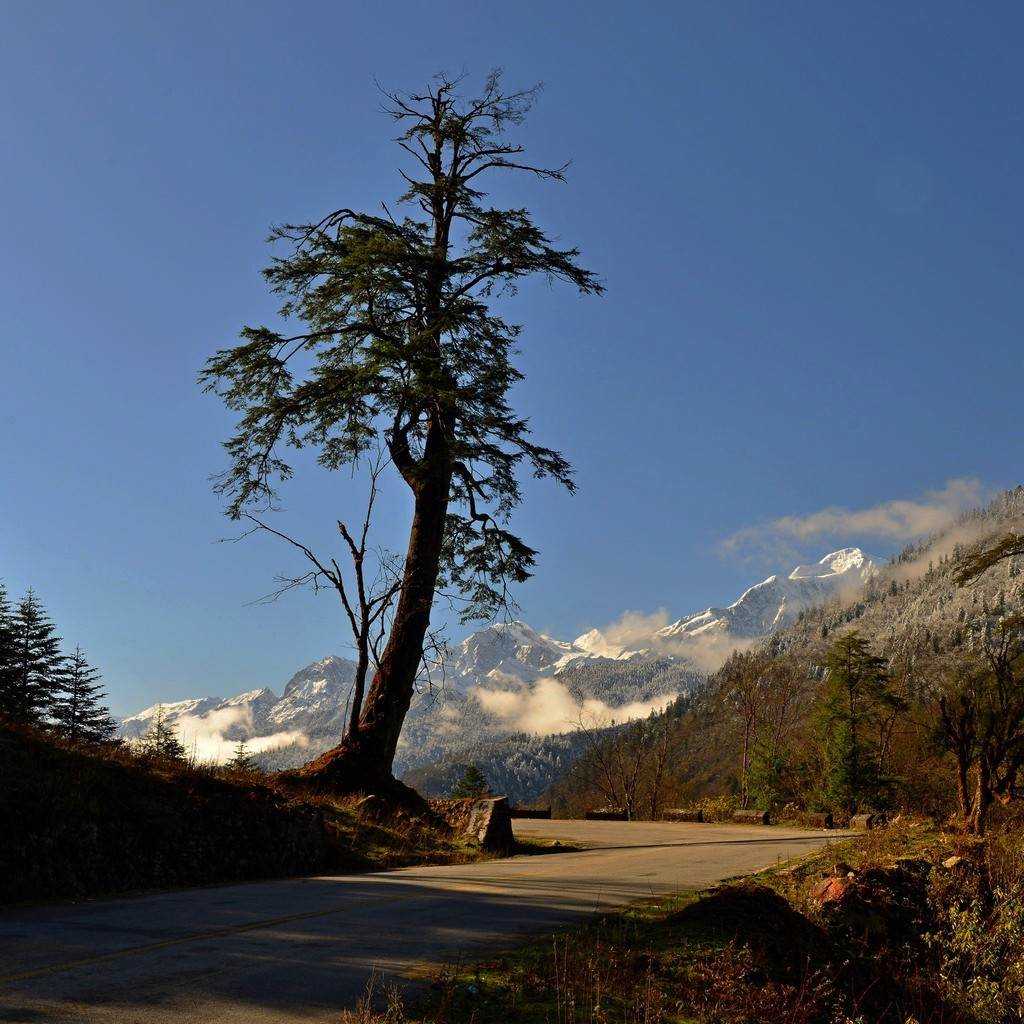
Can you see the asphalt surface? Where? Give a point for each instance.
(302, 949)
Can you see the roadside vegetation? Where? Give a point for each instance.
(85, 818)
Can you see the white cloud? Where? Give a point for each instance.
(636, 631)
(706, 652)
(635, 627)
(547, 707)
(894, 521)
(203, 737)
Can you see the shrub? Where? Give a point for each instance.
(719, 808)
(977, 941)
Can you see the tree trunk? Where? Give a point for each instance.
(982, 799)
(358, 686)
(745, 767)
(390, 694)
(963, 790)
(362, 762)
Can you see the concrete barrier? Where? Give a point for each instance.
(867, 821)
(683, 814)
(491, 824)
(606, 814)
(750, 817)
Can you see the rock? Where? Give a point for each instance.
(490, 822)
(830, 891)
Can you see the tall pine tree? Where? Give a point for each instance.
(6, 649)
(76, 708)
(856, 692)
(33, 676)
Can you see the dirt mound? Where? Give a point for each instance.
(784, 944)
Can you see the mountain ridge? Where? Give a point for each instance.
(508, 678)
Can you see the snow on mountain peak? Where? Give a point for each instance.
(596, 644)
(508, 649)
(707, 637)
(261, 696)
(137, 724)
(840, 562)
(338, 670)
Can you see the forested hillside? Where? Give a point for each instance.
(910, 696)
(522, 766)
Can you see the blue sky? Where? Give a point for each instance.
(807, 217)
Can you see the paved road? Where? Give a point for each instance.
(300, 949)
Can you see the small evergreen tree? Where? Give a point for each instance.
(32, 678)
(472, 785)
(162, 738)
(243, 760)
(76, 708)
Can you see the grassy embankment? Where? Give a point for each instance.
(88, 820)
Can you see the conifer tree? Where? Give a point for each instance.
(855, 694)
(161, 739)
(6, 650)
(76, 708)
(472, 785)
(34, 676)
(403, 349)
(243, 760)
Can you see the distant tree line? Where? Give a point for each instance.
(39, 683)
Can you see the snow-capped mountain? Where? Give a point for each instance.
(316, 699)
(778, 601)
(137, 725)
(706, 638)
(497, 680)
(511, 649)
(314, 703)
